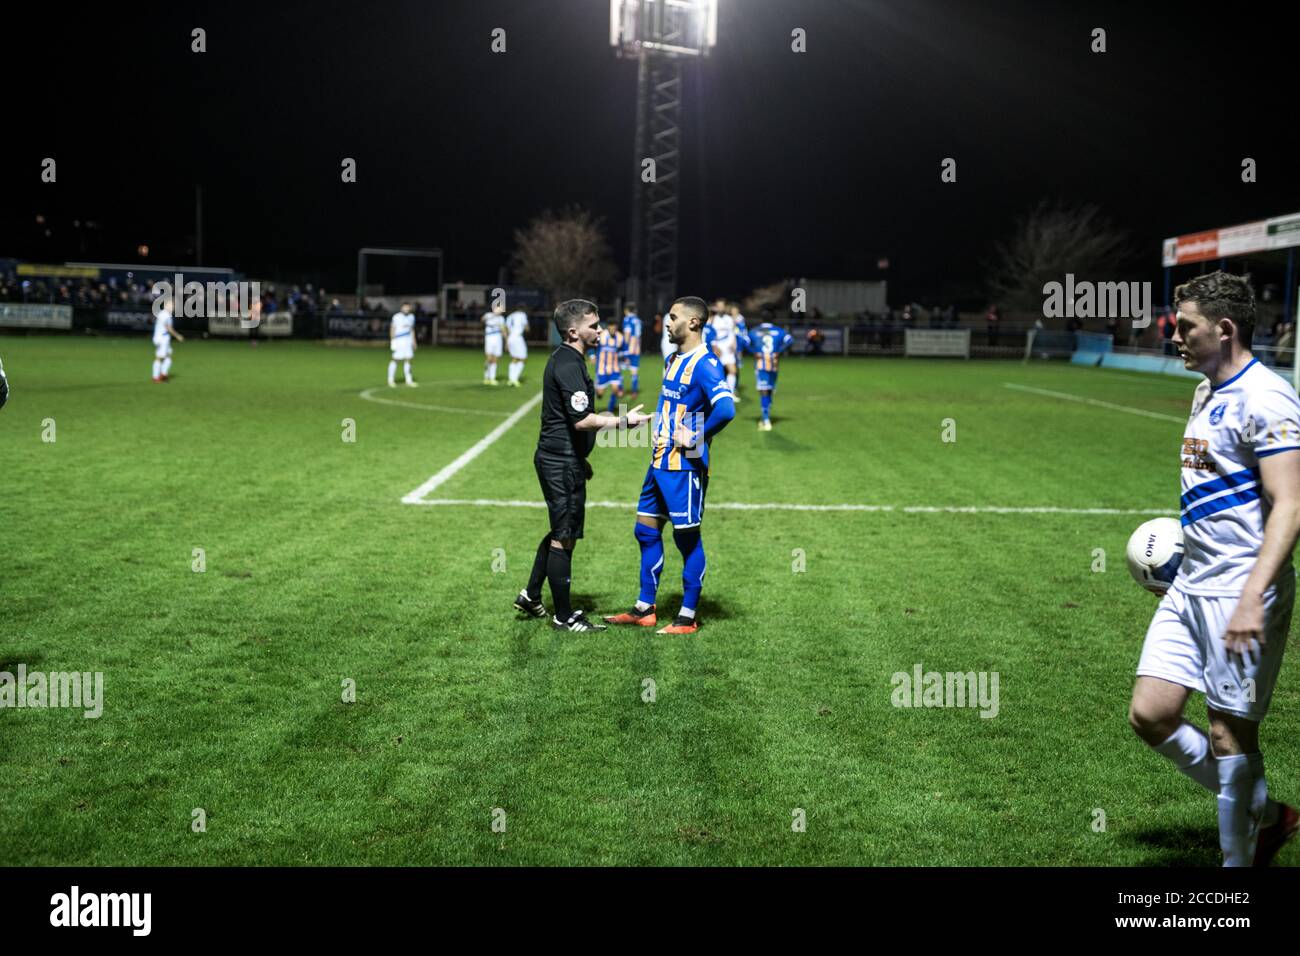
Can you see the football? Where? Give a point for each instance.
(1155, 550)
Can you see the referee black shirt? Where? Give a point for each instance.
(568, 396)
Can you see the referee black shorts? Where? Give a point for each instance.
(564, 486)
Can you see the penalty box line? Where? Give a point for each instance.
(416, 497)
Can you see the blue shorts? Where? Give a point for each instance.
(630, 360)
(675, 495)
(765, 381)
(605, 381)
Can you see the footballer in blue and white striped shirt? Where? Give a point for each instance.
(1222, 626)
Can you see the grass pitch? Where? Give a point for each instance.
(223, 689)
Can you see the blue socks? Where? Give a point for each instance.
(652, 560)
(613, 400)
(693, 566)
(765, 399)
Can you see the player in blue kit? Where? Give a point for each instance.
(695, 403)
(608, 373)
(767, 342)
(631, 354)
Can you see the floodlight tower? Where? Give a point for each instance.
(661, 35)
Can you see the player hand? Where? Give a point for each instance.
(683, 436)
(1245, 634)
(637, 417)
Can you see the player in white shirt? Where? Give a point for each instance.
(493, 329)
(516, 329)
(724, 341)
(666, 345)
(1221, 628)
(401, 340)
(163, 331)
(742, 342)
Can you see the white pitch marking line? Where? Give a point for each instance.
(747, 506)
(365, 393)
(1096, 401)
(414, 498)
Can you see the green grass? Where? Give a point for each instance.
(223, 688)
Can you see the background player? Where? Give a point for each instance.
(724, 342)
(742, 343)
(632, 344)
(163, 331)
(493, 327)
(608, 374)
(767, 342)
(401, 340)
(666, 344)
(1222, 626)
(516, 328)
(695, 404)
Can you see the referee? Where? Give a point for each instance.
(567, 437)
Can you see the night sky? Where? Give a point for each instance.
(811, 164)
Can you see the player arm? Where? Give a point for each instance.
(1279, 475)
(172, 330)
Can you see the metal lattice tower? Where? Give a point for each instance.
(660, 34)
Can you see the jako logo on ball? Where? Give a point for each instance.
(1155, 550)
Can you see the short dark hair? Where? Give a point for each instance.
(1222, 295)
(629, 307)
(695, 304)
(569, 312)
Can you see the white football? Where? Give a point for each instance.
(1155, 550)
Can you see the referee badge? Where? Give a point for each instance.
(579, 401)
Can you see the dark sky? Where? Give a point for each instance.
(809, 164)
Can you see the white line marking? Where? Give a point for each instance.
(747, 506)
(483, 444)
(365, 393)
(1098, 402)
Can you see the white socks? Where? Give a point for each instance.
(406, 370)
(491, 370)
(157, 368)
(167, 365)
(731, 381)
(1189, 750)
(392, 372)
(1242, 798)
(515, 369)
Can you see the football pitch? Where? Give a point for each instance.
(236, 568)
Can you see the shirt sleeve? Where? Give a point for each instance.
(1271, 423)
(573, 390)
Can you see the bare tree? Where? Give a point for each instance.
(566, 254)
(1053, 239)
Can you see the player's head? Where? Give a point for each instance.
(686, 318)
(734, 309)
(629, 309)
(1216, 313)
(406, 307)
(612, 323)
(498, 308)
(578, 322)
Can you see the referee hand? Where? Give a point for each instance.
(637, 417)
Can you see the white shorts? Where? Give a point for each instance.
(162, 349)
(403, 349)
(1184, 645)
(518, 348)
(492, 346)
(726, 354)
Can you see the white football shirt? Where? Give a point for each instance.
(403, 324)
(492, 325)
(724, 327)
(162, 327)
(1252, 415)
(517, 324)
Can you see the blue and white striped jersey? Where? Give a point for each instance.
(1252, 415)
